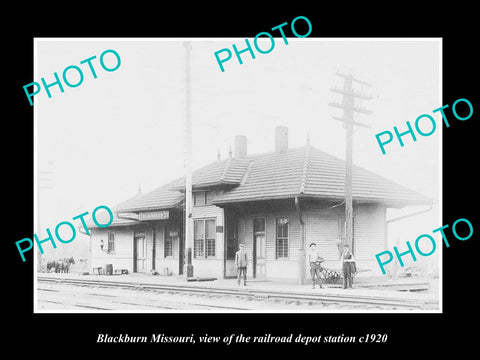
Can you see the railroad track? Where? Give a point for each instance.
(354, 300)
(151, 306)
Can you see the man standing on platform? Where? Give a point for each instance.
(348, 266)
(315, 261)
(241, 262)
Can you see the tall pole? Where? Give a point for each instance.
(349, 108)
(188, 269)
(348, 103)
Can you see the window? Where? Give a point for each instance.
(209, 196)
(168, 244)
(202, 198)
(343, 232)
(281, 244)
(199, 198)
(259, 225)
(198, 236)
(210, 232)
(204, 238)
(111, 242)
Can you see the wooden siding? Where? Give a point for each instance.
(122, 258)
(168, 264)
(160, 242)
(246, 235)
(322, 227)
(369, 231)
(149, 247)
(211, 212)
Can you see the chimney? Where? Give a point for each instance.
(281, 138)
(240, 146)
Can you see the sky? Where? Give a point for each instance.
(100, 141)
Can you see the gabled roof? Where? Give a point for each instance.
(269, 176)
(303, 171)
(161, 198)
(221, 172)
(103, 218)
(125, 213)
(309, 172)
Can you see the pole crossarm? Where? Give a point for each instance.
(352, 93)
(349, 108)
(350, 77)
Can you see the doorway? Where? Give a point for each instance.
(231, 244)
(139, 252)
(259, 249)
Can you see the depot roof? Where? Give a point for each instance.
(303, 171)
(309, 172)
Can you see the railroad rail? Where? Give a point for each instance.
(354, 300)
(153, 307)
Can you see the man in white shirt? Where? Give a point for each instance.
(241, 262)
(314, 259)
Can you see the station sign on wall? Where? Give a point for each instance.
(153, 215)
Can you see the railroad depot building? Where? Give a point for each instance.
(275, 203)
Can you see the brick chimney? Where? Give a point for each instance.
(281, 138)
(240, 146)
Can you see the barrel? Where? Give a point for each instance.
(108, 269)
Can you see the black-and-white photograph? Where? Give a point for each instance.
(209, 175)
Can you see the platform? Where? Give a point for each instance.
(385, 288)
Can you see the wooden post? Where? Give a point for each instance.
(154, 246)
(301, 255)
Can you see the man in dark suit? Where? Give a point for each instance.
(348, 266)
(241, 262)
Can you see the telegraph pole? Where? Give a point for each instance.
(188, 268)
(349, 108)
